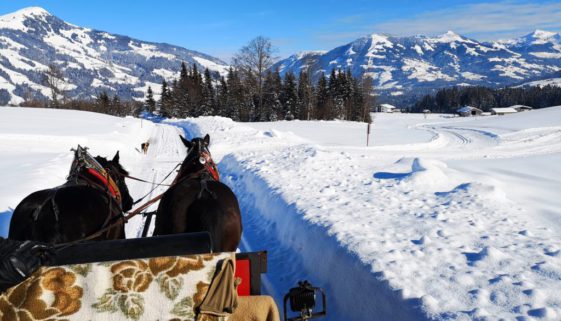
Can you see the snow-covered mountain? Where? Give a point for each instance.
(92, 61)
(401, 64)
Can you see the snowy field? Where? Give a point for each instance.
(439, 219)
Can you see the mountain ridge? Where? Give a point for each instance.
(92, 60)
(402, 65)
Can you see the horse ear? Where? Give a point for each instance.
(206, 139)
(116, 157)
(186, 142)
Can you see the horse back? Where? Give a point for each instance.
(22, 219)
(63, 214)
(193, 207)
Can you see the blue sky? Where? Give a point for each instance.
(220, 28)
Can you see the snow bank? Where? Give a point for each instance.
(391, 231)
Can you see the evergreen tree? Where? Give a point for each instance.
(323, 101)
(336, 102)
(277, 108)
(150, 103)
(305, 96)
(348, 85)
(103, 103)
(290, 97)
(181, 98)
(272, 106)
(235, 95)
(208, 96)
(222, 98)
(165, 101)
(177, 106)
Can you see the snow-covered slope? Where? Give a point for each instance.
(544, 82)
(400, 64)
(92, 61)
(441, 218)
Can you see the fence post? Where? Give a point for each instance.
(368, 134)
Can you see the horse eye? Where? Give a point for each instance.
(202, 160)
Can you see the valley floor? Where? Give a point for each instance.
(440, 218)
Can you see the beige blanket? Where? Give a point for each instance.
(256, 308)
(165, 289)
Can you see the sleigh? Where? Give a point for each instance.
(171, 278)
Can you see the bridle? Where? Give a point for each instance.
(205, 159)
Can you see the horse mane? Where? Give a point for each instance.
(104, 162)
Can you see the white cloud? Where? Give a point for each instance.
(483, 21)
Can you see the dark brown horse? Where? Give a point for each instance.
(81, 207)
(198, 201)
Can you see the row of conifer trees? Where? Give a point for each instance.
(448, 100)
(195, 93)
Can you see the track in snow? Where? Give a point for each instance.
(164, 153)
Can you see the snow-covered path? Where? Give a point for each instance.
(164, 154)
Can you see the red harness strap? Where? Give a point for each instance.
(210, 166)
(104, 181)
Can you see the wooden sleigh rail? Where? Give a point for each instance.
(116, 250)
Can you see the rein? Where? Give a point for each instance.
(144, 181)
(107, 228)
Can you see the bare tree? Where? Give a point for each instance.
(54, 79)
(253, 60)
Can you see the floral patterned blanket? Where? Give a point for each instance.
(163, 288)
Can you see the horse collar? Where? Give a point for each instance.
(107, 182)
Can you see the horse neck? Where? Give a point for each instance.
(187, 169)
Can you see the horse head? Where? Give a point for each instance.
(118, 174)
(198, 157)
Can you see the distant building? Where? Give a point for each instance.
(520, 108)
(468, 111)
(387, 108)
(503, 111)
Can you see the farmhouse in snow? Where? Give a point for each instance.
(469, 111)
(503, 111)
(520, 108)
(387, 108)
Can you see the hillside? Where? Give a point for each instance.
(92, 61)
(399, 65)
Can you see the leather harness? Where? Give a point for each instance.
(86, 171)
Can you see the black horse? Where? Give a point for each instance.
(81, 207)
(197, 201)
